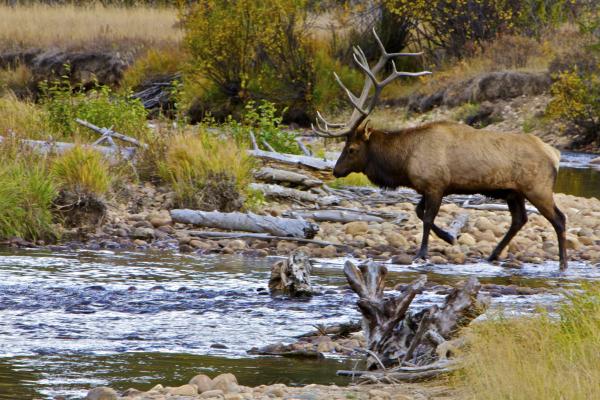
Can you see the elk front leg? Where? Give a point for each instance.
(442, 234)
(516, 205)
(431, 208)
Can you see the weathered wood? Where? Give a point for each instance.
(46, 147)
(396, 336)
(303, 147)
(457, 225)
(260, 236)
(249, 222)
(291, 277)
(285, 350)
(273, 175)
(268, 146)
(280, 192)
(333, 216)
(495, 207)
(109, 133)
(292, 159)
(253, 140)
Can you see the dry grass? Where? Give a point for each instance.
(538, 357)
(68, 26)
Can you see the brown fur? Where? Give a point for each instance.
(441, 158)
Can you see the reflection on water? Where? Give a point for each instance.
(583, 182)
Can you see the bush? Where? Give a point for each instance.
(576, 102)
(26, 196)
(265, 122)
(206, 172)
(152, 65)
(18, 80)
(537, 357)
(252, 50)
(82, 170)
(100, 106)
(511, 51)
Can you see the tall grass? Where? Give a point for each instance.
(538, 357)
(69, 26)
(22, 118)
(82, 170)
(26, 194)
(194, 161)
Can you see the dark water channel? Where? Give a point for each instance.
(72, 321)
(577, 177)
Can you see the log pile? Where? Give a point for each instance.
(406, 344)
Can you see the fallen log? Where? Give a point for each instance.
(250, 222)
(280, 192)
(303, 147)
(495, 207)
(291, 277)
(272, 175)
(109, 134)
(396, 336)
(334, 216)
(296, 160)
(283, 350)
(47, 147)
(260, 236)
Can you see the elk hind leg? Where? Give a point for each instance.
(431, 207)
(439, 232)
(516, 206)
(545, 204)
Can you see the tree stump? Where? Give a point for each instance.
(398, 337)
(291, 277)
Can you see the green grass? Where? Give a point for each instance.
(82, 170)
(354, 179)
(537, 357)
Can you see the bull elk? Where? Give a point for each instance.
(441, 158)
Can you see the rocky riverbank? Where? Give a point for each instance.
(226, 387)
(139, 219)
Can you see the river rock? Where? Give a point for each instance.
(277, 390)
(102, 393)
(212, 393)
(572, 242)
(328, 252)
(158, 221)
(356, 228)
(236, 245)
(595, 161)
(467, 239)
(183, 390)
(226, 383)
(143, 233)
(402, 259)
(131, 392)
(397, 240)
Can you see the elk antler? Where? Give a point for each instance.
(360, 112)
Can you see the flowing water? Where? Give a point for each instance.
(74, 320)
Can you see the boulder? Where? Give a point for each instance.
(183, 390)
(143, 233)
(227, 383)
(397, 240)
(102, 393)
(212, 393)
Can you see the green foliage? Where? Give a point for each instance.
(82, 170)
(155, 63)
(265, 122)
(202, 167)
(354, 179)
(576, 102)
(26, 195)
(537, 357)
(64, 102)
(251, 50)
(465, 111)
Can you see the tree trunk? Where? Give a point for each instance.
(291, 277)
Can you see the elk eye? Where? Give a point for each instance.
(352, 150)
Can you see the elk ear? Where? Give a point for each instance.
(367, 131)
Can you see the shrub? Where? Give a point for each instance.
(206, 171)
(265, 122)
(18, 80)
(156, 63)
(511, 51)
(354, 179)
(576, 102)
(82, 170)
(251, 50)
(537, 357)
(26, 196)
(100, 106)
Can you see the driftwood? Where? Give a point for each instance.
(268, 146)
(285, 350)
(300, 196)
(249, 222)
(108, 134)
(259, 236)
(157, 94)
(303, 147)
(335, 331)
(296, 160)
(272, 175)
(291, 277)
(495, 207)
(46, 147)
(457, 225)
(334, 216)
(397, 337)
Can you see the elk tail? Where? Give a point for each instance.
(554, 156)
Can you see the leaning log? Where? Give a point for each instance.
(291, 277)
(273, 175)
(296, 160)
(249, 222)
(396, 336)
(298, 196)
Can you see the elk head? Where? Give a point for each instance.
(354, 156)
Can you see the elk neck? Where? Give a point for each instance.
(387, 157)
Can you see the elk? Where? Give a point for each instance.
(442, 158)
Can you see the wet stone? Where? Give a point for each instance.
(102, 393)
